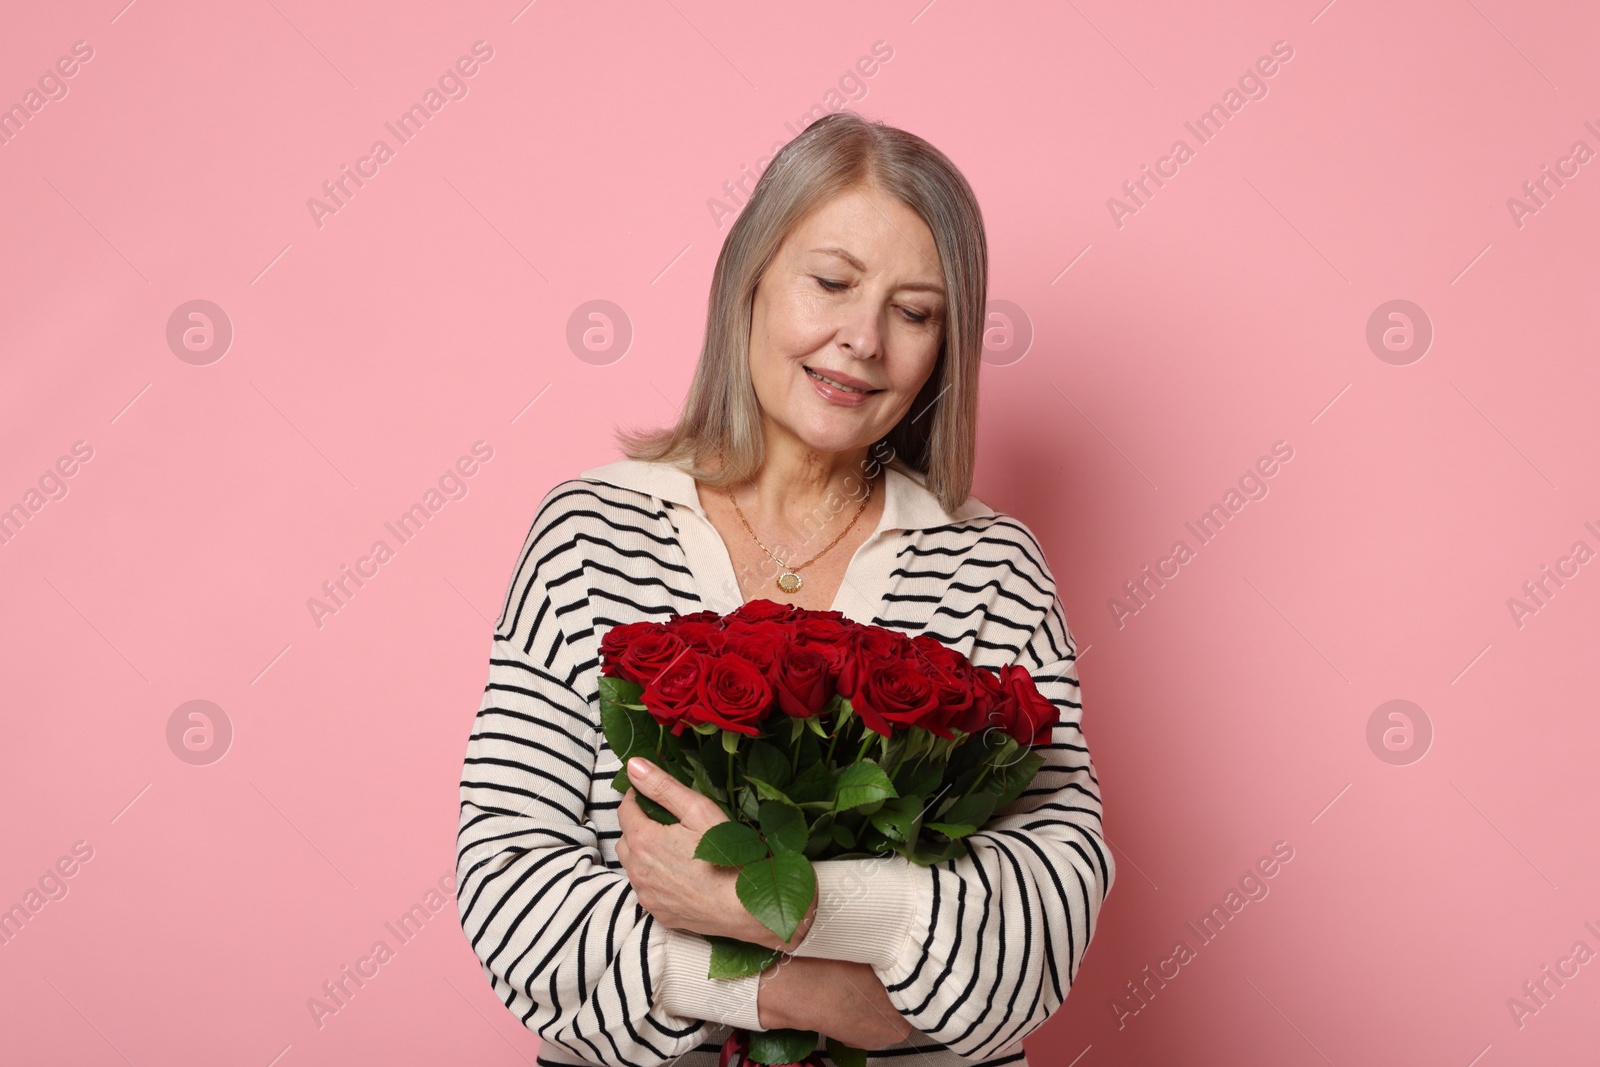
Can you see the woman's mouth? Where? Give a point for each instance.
(835, 384)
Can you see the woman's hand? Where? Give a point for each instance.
(842, 1000)
(678, 890)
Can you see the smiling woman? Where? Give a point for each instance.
(838, 378)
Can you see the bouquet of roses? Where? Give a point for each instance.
(821, 738)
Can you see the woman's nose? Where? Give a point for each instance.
(859, 330)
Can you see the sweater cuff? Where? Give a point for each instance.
(864, 909)
(685, 991)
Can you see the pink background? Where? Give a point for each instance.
(1167, 354)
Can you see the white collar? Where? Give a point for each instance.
(908, 504)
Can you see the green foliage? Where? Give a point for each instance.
(766, 761)
(844, 1056)
(731, 844)
(813, 787)
(973, 809)
(861, 784)
(783, 826)
(732, 958)
(810, 789)
(899, 818)
(778, 891)
(781, 1046)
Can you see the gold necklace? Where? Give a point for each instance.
(789, 581)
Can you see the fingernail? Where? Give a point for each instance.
(640, 766)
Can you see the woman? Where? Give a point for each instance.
(823, 459)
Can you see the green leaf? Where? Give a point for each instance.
(922, 779)
(732, 958)
(845, 1056)
(767, 791)
(629, 732)
(843, 836)
(784, 826)
(778, 891)
(819, 843)
(619, 690)
(781, 1046)
(951, 829)
(814, 724)
(1017, 777)
(870, 840)
(700, 780)
(731, 844)
(814, 784)
(930, 853)
(767, 762)
(899, 818)
(654, 810)
(972, 809)
(862, 783)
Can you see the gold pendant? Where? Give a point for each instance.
(788, 581)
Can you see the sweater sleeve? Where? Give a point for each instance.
(978, 951)
(560, 934)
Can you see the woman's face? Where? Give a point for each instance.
(855, 290)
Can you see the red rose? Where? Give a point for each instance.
(894, 693)
(616, 642)
(802, 684)
(989, 702)
(761, 610)
(649, 652)
(696, 616)
(734, 694)
(951, 675)
(822, 626)
(700, 635)
(865, 647)
(762, 643)
(673, 695)
(1033, 716)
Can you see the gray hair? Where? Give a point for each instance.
(937, 437)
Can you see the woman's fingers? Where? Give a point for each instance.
(691, 807)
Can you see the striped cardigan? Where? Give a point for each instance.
(975, 952)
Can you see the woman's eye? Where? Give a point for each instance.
(916, 318)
